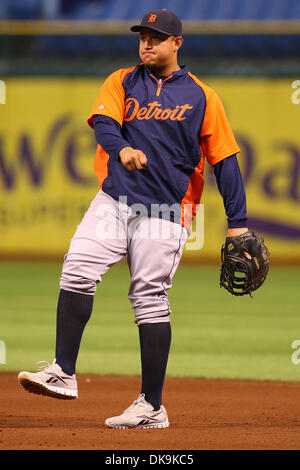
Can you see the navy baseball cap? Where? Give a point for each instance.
(164, 21)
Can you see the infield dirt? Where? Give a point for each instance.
(203, 414)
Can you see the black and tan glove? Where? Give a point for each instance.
(245, 263)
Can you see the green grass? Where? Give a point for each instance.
(214, 334)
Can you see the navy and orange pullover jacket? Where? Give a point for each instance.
(177, 121)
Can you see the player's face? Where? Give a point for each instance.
(158, 50)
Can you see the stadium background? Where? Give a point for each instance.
(53, 59)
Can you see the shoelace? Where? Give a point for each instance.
(138, 401)
(42, 365)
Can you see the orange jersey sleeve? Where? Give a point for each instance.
(111, 97)
(217, 139)
(216, 136)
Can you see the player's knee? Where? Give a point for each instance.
(150, 308)
(76, 277)
(148, 300)
(152, 317)
(77, 284)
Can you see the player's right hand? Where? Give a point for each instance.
(132, 159)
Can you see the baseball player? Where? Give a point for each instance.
(155, 124)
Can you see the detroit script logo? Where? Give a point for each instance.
(153, 110)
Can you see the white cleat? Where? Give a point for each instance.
(50, 381)
(140, 415)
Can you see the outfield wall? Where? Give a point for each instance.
(47, 152)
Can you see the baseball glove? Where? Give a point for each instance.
(241, 273)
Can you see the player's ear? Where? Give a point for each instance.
(178, 41)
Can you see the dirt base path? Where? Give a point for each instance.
(203, 414)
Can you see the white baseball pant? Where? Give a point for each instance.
(111, 230)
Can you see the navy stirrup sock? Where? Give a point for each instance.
(73, 313)
(155, 341)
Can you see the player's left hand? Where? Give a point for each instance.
(245, 263)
